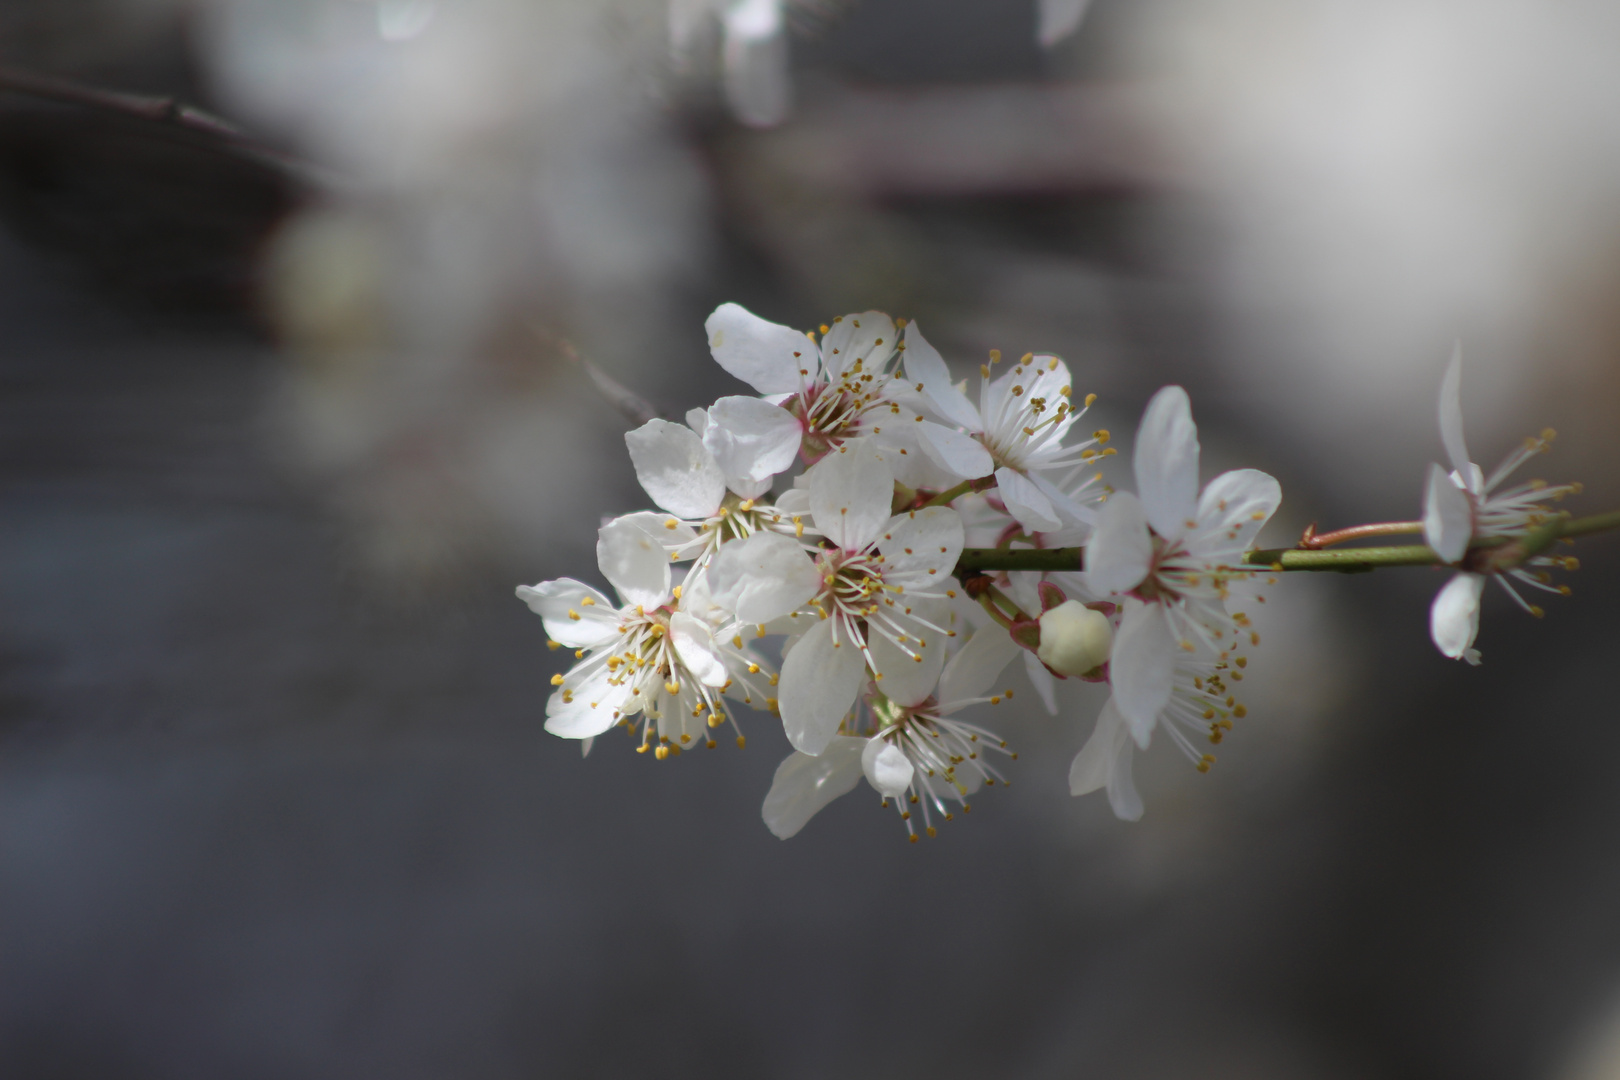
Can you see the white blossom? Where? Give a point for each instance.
(911, 750)
(875, 597)
(712, 497)
(656, 653)
(1199, 710)
(840, 390)
(1176, 554)
(1016, 433)
(1465, 506)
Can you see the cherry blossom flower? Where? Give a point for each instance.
(1178, 554)
(838, 391)
(714, 494)
(1199, 710)
(876, 596)
(1466, 505)
(1015, 432)
(657, 653)
(911, 750)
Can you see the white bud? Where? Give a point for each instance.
(1074, 638)
(886, 767)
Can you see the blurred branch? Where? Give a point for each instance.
(161, 112)
(633, 406)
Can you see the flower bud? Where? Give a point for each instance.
(1074, 638)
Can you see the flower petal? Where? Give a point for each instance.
(1141, 667)
(977, 665)
(1451, 422)
(1448, 516)
(908, 677)
(821, 675)
(925, 543)
(924, 365)
(694, 644)
(1026, 502)
(1233, 509)
(804, 784)
(1454, 618)
(575, 614)
(1105, 761)
(963, 457)
(851, 491)
(1121, 551)
(634, 562)
(1166, 462)
(675, 468)
(1043, 682)
(593, 705)
(755, 51)
(868, 337)
(772, 358)
(752, 439)
(763, 577)
(887, 768)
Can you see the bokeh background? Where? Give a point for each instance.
(284, 418)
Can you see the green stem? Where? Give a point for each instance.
(949, 495)
(1343, 560)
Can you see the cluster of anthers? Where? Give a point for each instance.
(823, 520)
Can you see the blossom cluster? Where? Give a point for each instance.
(823, 519)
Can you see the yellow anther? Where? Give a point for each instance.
(672, 687)
(995, 356)
(553, 645)
(572, 614)
(661, 753)
(1536, 611)
(671, 524)
(556, 680)
(1101, 435)
(741, 742)
(587, 601)
(1239, 711)
(676, 592)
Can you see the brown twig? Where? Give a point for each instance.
(632, 405)
(1311, 540)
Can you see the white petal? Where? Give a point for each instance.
(820, 678)
(1025, 502)
(1094, 765)
(868, 337)
(924, 365)
(698, 420)
(765, 355)
(1074, 515)
(1121, 551)
(963, 457)
(665, 530)
(755, 52)
(1057, 19)
(636, 564)
(596, 706)
(1451, 422)
(887, 768)
(1166, 462)
(1454, 618)
(675, 469)
(1043, 682)
(695, 646)
(1233, 509)
(978, 664)
(568, 618)
(804, 784)
(905, 678)
(763, 577)
(920, 541)
(851, 490)
(752, 439)
(1448, 516)
(1141, 666)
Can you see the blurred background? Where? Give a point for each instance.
(287, 408)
